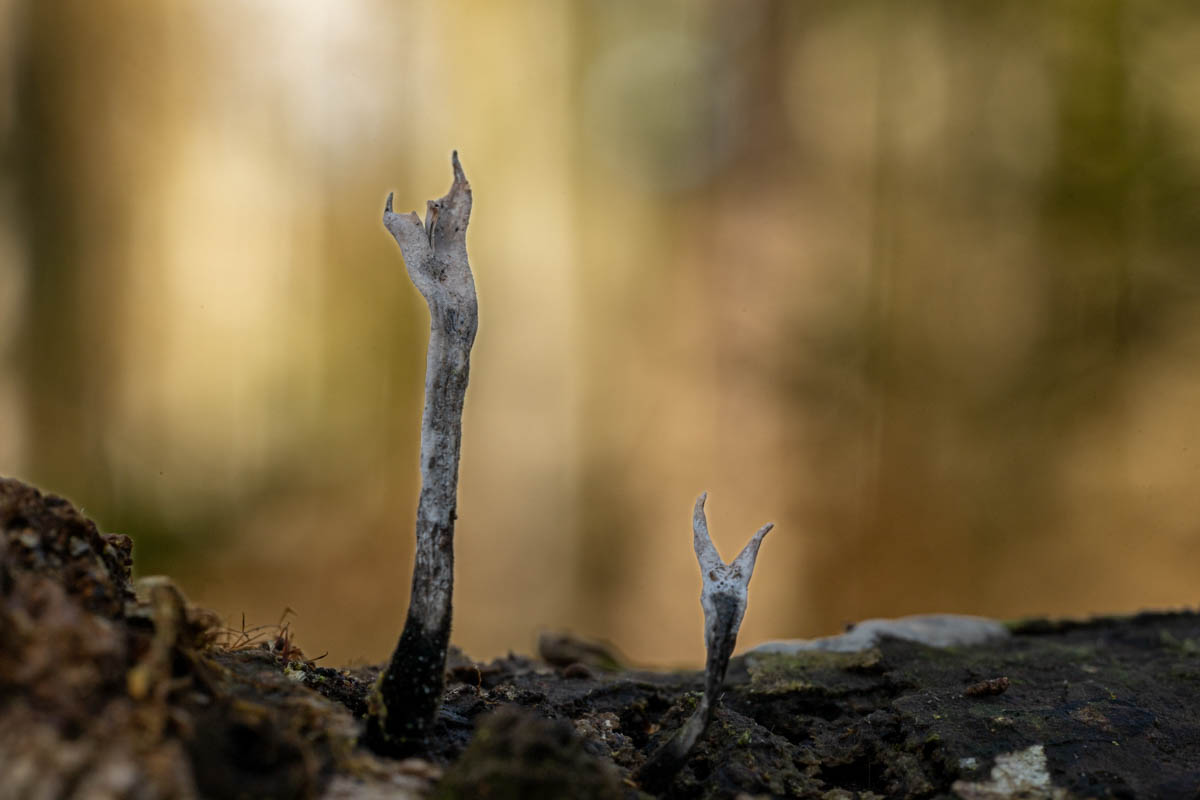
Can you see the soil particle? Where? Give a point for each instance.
(991, 686)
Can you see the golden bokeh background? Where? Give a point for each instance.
(918, 282)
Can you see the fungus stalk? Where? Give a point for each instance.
(723, 597)
(404, 702)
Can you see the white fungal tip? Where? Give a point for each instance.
(706, 552)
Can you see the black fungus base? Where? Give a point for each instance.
(404, 704)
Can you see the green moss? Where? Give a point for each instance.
(1185, 646)
(809, 670)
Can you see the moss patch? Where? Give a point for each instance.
(808, 671)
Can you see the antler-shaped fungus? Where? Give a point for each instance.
(723, 598)
(405, 700)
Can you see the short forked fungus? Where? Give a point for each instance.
(724, 588)
(405, 701)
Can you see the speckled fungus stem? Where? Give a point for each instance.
(405, 700)
(723, 597)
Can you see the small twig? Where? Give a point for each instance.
(723, 598)
(234, 639)
(404, 703)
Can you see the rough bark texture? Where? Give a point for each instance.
(406, 698)
(104, 695)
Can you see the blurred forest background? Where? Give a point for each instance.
(918, 282)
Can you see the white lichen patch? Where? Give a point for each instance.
(1022, 774)
(934, 630)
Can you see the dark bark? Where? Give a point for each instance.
(151, 699)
